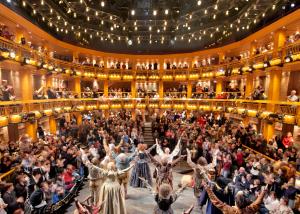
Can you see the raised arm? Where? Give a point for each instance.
(189, 159)
(177, 160)
(155, 162)
(216, 201)
(159, 151)
(256, 204)
(177, 149)
(106, 147)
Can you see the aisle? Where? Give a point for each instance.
(141, 201)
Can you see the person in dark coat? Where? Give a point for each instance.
(9, 197)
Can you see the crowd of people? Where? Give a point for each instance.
(176, 92)
(53, 93)
(110, 151)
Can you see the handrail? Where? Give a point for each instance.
(19, 102)
(265, 156)
(6, 174)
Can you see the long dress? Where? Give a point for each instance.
(141, 169)
(112, 195)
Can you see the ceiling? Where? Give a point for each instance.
(151, 26)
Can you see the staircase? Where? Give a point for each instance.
(148, 137)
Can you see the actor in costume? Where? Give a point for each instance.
(111, 193)
(123, 162)
(164, 170)
(141, 168)
(166, 153)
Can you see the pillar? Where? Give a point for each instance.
(219, 86)
(279, 41)
(78, 116)
(221, 57)
(133, 89)
(249, 85)
(161, 89)
(253, 47)
(274, 95)
(26, 85)
(49, 79)
(189, 89)
(75, 57)
(105, 88)
(31, 129)
(77, 86)
(52, 125)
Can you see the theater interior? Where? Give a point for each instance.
(149, 106)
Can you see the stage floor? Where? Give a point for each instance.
(141, 201)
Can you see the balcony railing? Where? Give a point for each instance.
(273, 57)
(286, 112)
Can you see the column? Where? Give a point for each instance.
(105, 88)
(78, 116)
(49, 81)
(221, 57)
(31, 129)
(75, 57)
(52, 125)
(219, 86)
(279, 41)
(161, 89)
(273, 94)
(249, 85)
(77, 86)
(26, 85)
(133, 89)
(189, 89)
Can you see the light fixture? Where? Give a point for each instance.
(199, 2)
(129, 42)
(166, 11)
(288, 59)
(132, 12)
(102, 3)
(154, 12)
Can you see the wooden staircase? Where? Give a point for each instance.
(148, 136)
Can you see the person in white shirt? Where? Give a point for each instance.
(293, 97)
(271, 202)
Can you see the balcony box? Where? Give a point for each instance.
(102, 76)
(178, 106)
(3, 121)
(115, 106)
(67, 109)
(128, 105)
(289, 119)
(204, 108)
(264, 114)
(191, 107)
(235, 71)
(167, 106)
(258, 65)
(37, 114)
(141, 105)
(167, 77)
(80, 108)
(275, 62)
(58, 110)
(229, 109)
(48, 112)
(180, 77)
(252, 113)
(140, 77)
(103, 106)
(153, 77)
(153, 105)
(194, 76)
(127, 77)
(114, 77)
(240, 111)
(91, 107)
(15, 118)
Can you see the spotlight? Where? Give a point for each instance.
(132, 12)
(102, 3)
(12, 55)
(288, 59)
(293, 5)
(166, 11)
(129, 42)
(266, 64)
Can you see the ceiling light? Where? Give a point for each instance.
(135, 28)
(236, 8)
(87, 9)
(154, 12)
(24, 4)
(191, 16)
(51, 10)
(199, 2)
(216, 7)
(102, 3)
(158, 30)
(227, 13)
(74, 15)
(132, 12)
(96, 13)
(42, 2)
(129, 42)
(69, 10)
(150, 28)
(166, 11)
(205, 11)
(293, 5)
